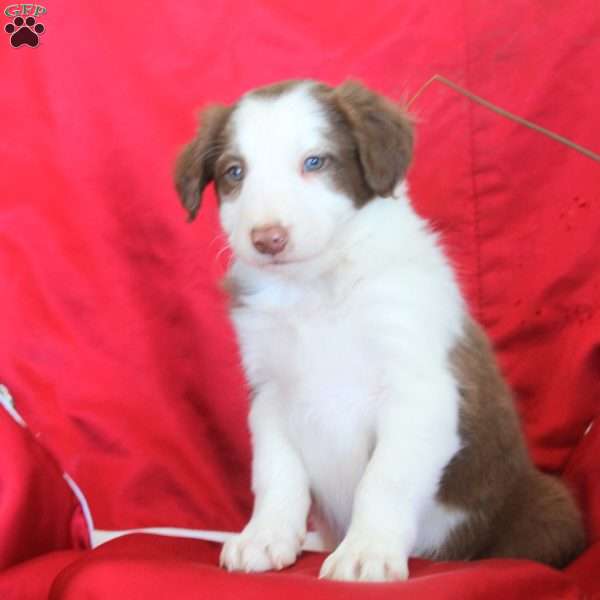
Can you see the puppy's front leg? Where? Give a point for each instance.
(416, 433)
(273, 537)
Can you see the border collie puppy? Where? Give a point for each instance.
(376, 398)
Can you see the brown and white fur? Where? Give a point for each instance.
(376, 398)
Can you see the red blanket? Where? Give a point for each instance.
(115, 341)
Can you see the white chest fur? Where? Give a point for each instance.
(315, 351)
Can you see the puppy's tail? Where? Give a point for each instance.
(540, 522)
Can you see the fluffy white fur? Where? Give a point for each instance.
(345, 339)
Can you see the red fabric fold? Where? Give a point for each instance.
(142, 567)
(32, 580)
(38, 512)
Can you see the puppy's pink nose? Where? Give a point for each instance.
(270, 239)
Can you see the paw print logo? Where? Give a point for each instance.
(24, 31)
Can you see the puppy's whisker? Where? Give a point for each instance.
(221, 252)
(219, 238)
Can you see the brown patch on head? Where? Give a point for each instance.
(373, 138)
(195, 167)
(514, 510)
(277, 89)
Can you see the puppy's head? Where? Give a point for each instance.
(292, 163)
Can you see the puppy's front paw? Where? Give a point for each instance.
(364, 559)
(261, 549)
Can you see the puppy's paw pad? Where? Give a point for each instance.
(261, 551)
(364, 561)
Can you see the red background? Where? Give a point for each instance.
(115, 340)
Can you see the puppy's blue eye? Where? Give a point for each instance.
(314, 163)
(235, 173)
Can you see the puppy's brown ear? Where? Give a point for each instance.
(195, 167)
(383, 134)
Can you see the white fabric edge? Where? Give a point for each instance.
(85, 507)
(6, 400)
(312, 543)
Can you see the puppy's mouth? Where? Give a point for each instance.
(274, 262)
(277, 261)
(288, 258)
(282, 260)
(291, 258)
